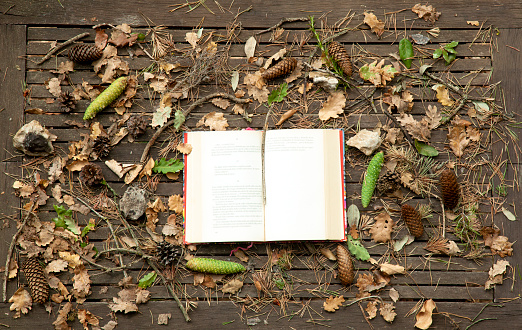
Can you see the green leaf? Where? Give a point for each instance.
(426, 149)
(406, 52)
(88, 228)
(446, 56)
(65, 219)
(451, 50)
(278, 94)
(405, 240)
(437, 53)
(59, 222)
(280, 283)
(62, 211)
(365, 72)
(353, 215)
(481, 107)
(72, 226)
(147, 280)
(451, 58)
(452, 44)
(179, 119)
(164, 166)
(357, 249)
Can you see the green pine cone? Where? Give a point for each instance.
(207, 265)
(372, 174)
(108, 96)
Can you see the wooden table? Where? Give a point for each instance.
(27, 30)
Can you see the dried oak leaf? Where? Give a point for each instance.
(120, 305)
(498, 244)
(215, 120)
(101, 38)
(56, 266)
(61, 321)
(382, 228)
(192, 38)
(233, 286)
(110, 66)
(157, 82)
(434, 116)
(377, 74)
(142, 296)
(443, 95)
(21, 302)
(428, 13)
(82, 282)
(458, 139)
(184, 148)
(419, 130)
(332, 304)
(374, 23)
(401, 102)
(495, 273)
(64, 67)
(333, 106)
(122, 39)
(72, 258)
(387, 311)
(256, 87)
(394, 294)
(87, 318)
(161, 116)
(424, 316)
(53, 85)
(163, 319)
(371, 309)
(221, 103)
(176, 203)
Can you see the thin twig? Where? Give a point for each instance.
(281, 22)
(242, 12)
(11, 248)
(452, 114)
(185, 113)
(62, 45)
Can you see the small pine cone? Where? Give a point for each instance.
(167, 253)
(388, 183)
(91, 174)
(34, 273)
(345, 267)
(67, 102)
(284, 67)
(136, 125)
(450, 189)
(84, 53)
(101, 147)
(413, 220)
(340, 55)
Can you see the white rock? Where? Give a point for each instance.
(366, 141)
(329, 83)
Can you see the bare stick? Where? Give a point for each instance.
(62, 45)
(185, 113)
(283, 21)
(11, 248)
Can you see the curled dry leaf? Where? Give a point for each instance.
(498, 244)
(443, 95)
(250, 47)
(274, 57)
(332, 304)
(419, 130)
(382, 228)
(215, 120)
(401, 102)
(424, 316)
(496, 273)
(376, 25)
(241, 255)
(118, 168)
(333, 106)
(61, 319)
(371, 309)
(184, 148)
(394, 294)
(21, 302)
(390, 269)
(87, 318)
(428, 13)
(285, 116)
(233, 286)
(387, 312)
(328, 254)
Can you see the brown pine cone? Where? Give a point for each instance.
(284, 67)
(84, 53)
(136, 125)
(101, 147)
(450, 189)
(67, 102)
(340, 55)
(413, 220)
(91, 175)
(388, 183)
(345, 267)
(34, 273)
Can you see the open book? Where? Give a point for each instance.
(303, 193)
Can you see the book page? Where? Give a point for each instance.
(294, 178)
(223, 187)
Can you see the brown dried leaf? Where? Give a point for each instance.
(64, 67)
(142, 296)
(82, 282)
(61, 320)
(101, 38)
(419, 130)
(122, 39)
(192, 39)
(387, 311)
(332, 304)
(401, 102)
(147, 169)
(374, 23)
(21, 302)
(53, 85)
(274, 57)
(474, 23)
(176, 203)
(215, 120)
(118, 168)
(184, 148)
(163, 319)
(110, 325)
(458, 140)
(328, 254)
(120, 305)
(382, 228)
(333, 106)
(498, 244)
(56, 266)
(424, 316)
(87, 318)
(390, 269)
(285, 116)
(296, 73)
(473, 133)
(428, 13)
(394, 294)
(434, 117)
(256, 87)
(221, 103)
(495, 274)
(238, 109)
(232, 286)
(443, 95)
(72, 258)
(371, 309)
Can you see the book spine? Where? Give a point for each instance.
(343, 178)
(185, 156)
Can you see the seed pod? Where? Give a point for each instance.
(284, 67)
(207, 265)
(84, 53)
(34, 273)
(340, 55)
(413, 220)
(345, 268)
(372, 174)
(110, 94)
(449, 188)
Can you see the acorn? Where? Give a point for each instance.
(340, 55)
(84, 53)
(413, 220)
(283, 67)
(345, 267)
(34, 273)
(450, 189)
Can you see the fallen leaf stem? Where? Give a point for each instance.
(60, 46)
(185, 113)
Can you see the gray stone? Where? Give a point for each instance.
(133, 203)
(366, 141)
(34, 140)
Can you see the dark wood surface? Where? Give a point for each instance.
(457, 284)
